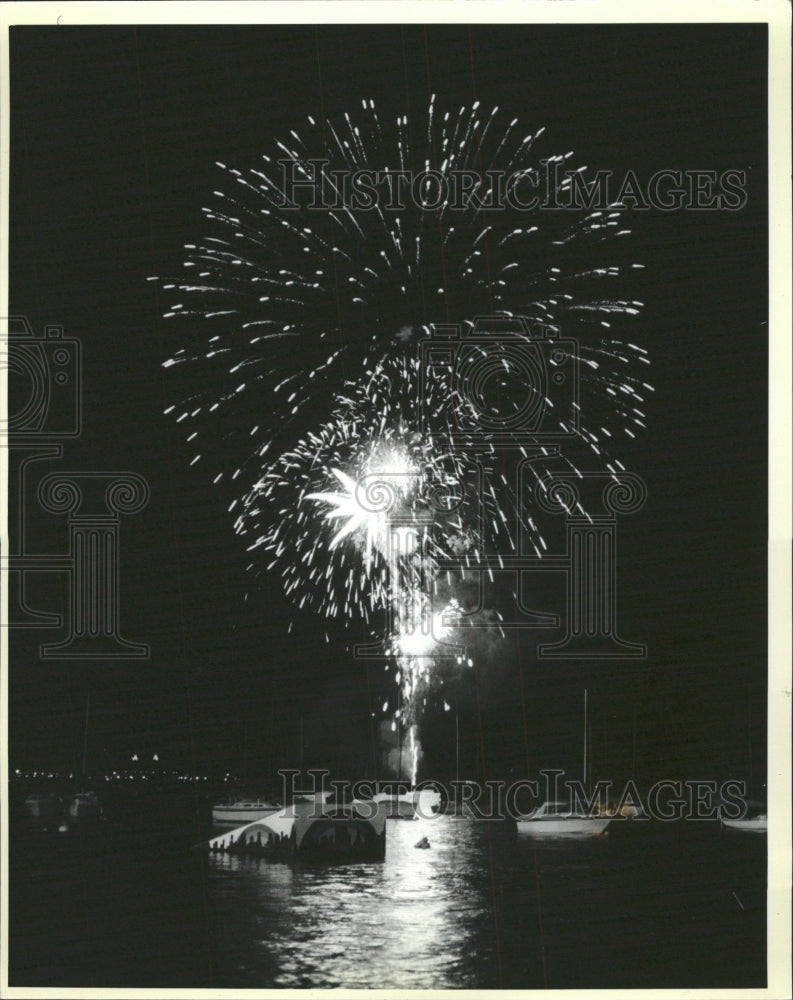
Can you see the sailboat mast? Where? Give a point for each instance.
(271, 747)
(457, 747)
(301, 748)
(585, 739)
(85, 731)
(590, 758)
(399, 735)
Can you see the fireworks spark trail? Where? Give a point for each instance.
(287, 304)
(362, 509)
(420, 631)
(303, 308)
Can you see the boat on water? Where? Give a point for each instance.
(43, 809)
(400, 806)
(559, 819)
(467, 801)
(237, 812)
(419, 803)
(753, 824)
(311, 828)
(754, 820)
(83, 809)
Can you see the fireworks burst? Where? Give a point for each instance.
(285, 306)
(296, 309)
(361, 510)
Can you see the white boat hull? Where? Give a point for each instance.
(564, 826)
(754, 824)
(396, 806)
(240, 815)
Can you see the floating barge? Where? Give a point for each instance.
(311, 828)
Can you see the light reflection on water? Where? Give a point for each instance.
(678, 906)
(485, 908)
(414, 919)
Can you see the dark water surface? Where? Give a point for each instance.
(677, 905)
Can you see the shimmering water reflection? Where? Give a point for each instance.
(417, 918)
(677, 906)
(485, 907)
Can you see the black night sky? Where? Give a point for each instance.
(115, 133)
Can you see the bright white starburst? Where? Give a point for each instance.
(347, 507)
(365, 505)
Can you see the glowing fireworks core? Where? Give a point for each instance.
(361, 506)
